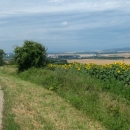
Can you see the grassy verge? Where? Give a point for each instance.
(89, 96)
(30, 106)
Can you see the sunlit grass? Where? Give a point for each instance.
(32, 107)
(106, 104)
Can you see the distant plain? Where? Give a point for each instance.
(98, 61)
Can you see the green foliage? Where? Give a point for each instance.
(31, 54)
(1, 57)
(90, 95)
(57, 61)
(107, 72)
(86, 94)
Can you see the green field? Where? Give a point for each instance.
(63, 98)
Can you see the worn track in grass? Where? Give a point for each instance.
(1, 107)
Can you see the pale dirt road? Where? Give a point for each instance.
(98, 61)
(1, 107)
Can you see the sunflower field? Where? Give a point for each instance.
(119, 71)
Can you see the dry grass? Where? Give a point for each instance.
(96, 61)
(36, 108)
(115, 104)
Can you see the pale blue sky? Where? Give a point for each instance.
(65, 25)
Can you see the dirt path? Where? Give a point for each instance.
(1, 107)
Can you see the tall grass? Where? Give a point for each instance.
(91, 96)
(29, 106)
(111, 107)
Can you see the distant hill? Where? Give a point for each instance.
(113, 50)
(119, 49)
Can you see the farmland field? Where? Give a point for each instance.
(99, 62)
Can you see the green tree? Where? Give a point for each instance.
(1, 57)
(31, 54)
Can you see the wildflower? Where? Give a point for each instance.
(78, 68)
(118, 71)
(88, 67)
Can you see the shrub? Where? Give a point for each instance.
(31, 54)
(1, 57)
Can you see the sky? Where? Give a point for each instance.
(65, 25)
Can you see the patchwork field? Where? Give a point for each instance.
(98, 61)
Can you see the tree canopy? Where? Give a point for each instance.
(1, 57)
(31, 54)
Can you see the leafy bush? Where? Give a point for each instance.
(31, 54)
(1, 57)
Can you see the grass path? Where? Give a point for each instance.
(28, 106)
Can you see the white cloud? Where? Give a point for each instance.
(64, 23)
(55, 1)
(28, 7)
